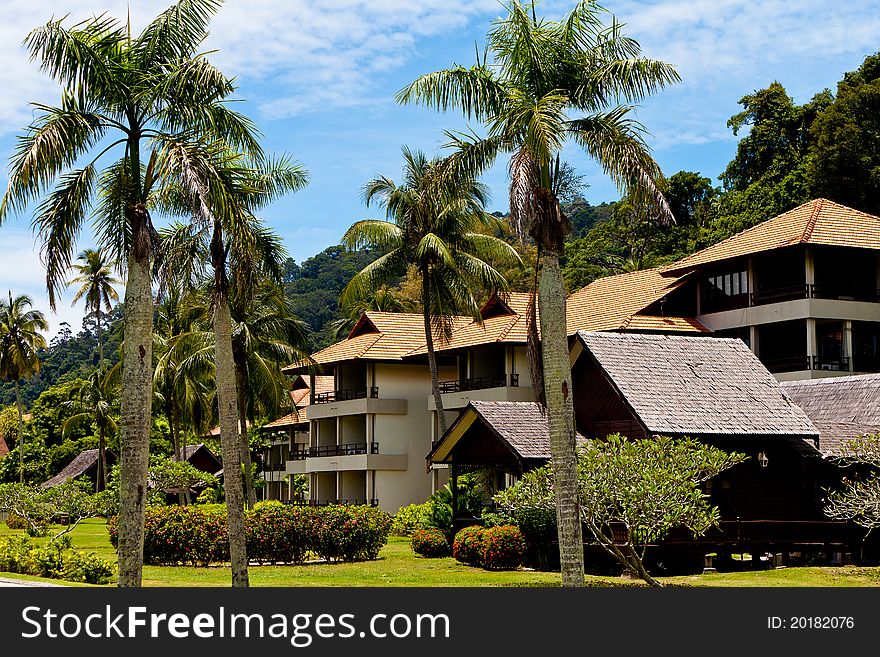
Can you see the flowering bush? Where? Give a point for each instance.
(197, 535)
(430, 542)
(350, 533)
(502, 548)
(280, 533)
(15, 521)
(467, 545)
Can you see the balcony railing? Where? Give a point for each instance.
(778, 294)
(349, 449)
(274, 467)
(866, 364)
(787, 364)
(479, 383)
(364, 502)
(813, 291)
(835, 364)
(346, 395)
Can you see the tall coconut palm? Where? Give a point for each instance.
(540, 84)
(153, 100)
(94, 402)
(266, 335)
(238, 246)
(96, 285)
(20, 340)
(434, 221)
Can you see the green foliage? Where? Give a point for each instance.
(430, 543)
(56, 560)
(409, 518)
(467, 546)
(15, 521)
(59, 456)
(35, 463)
(350, 533)
(197, 535)
(37, 506)
(857, 499)
(168, 475)
(9, 425)
(502, 548)
(469, 500)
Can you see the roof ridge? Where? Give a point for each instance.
(818, 204)
(514, 319)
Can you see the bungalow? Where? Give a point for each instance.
(84, 464)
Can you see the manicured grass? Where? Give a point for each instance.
(398, 566)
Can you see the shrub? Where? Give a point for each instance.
(350, 533)
(55, 560)
(467, 545)
(280, 533)
(408, 519)
(502, 548)
(15, 521)
(430, 543)
(538, 526)
(498, 519)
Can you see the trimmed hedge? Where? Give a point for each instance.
(276, 533)
(502, 548)
(430, 543)
(18, 554)
(467, 545)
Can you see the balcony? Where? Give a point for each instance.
(812, 291)
(779, 294)
(350, 449)
(347, 395)
(787, 364)
(274, 467)
(833, 364)
(479, 383)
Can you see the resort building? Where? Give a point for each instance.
(799, 290)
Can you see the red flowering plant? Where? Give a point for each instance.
(467, 545)
(430, 542)
(502, 548)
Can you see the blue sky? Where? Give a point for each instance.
(319, 77)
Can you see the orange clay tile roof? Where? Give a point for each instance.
(613, 303)
(817, 222)
(508, 326)
(300, 397)
(376, 336)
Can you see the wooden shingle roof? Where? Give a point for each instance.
(80, 465)
(817, 222)
(683, 385)
(613, 303)
(841, 407)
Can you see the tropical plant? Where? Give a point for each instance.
(857, 499)
(434, 222)
(229, 243)
(549, 82)
(96, 286)
(94, 401)
(20, 340)
(157, 101)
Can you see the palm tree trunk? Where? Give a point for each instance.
(100, 340)
(101, 481)
(432, 357)
(230, 440)
(20, 433)
(174, 422)
(560, 418)
(250, 494)
(136, 399)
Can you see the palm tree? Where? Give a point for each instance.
(154, 99)
(20, 340)
(94, 401)
(96, 285)
(240, 251)
(549, 82)
(434, 219)
(266, 335)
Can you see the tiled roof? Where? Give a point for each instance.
(300, 397)
(817, 222)
(663, 324)
(841, 407)
(509, 325)
(4, 449)
(696, 385)
(611, 303)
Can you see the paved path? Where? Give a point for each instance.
(5, 581)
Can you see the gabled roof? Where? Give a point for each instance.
(503, 322)
(300, 396)
(841, 407)
(522, 426)
(682, 385)
(375, 336)
(613, 303)
(80, 465)
(817, 222)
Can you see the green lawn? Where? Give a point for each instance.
(398, 566)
